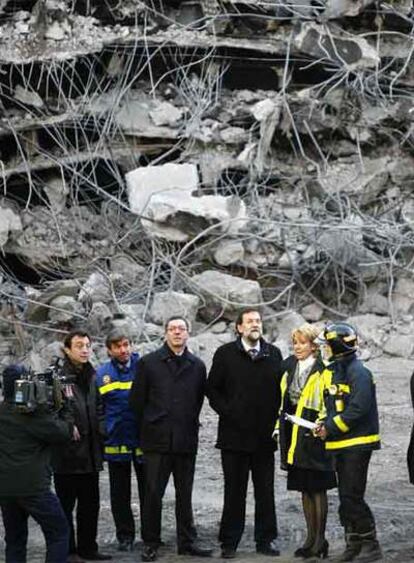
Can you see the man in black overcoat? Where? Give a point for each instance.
(244, 389)
(167, 396)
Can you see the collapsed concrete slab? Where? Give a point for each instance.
(320, 42)
(164, 198)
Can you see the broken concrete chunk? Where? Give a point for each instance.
(9, 222)
(56, 191)
(28, 97)
(225, 293)
(166, 114)
(163, 195)
(400, 345)
(229, 252)
(169, 303)
(340, 8)
(55, 32)
(321, 43)
(96, 288)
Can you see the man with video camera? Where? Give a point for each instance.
(27, 434)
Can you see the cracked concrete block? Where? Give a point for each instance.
(229, 252)
(64, 308)
(96, 288)
(400, 345)
(9, 222)
(28, 97)
(56, 191)
(163, 195)
(169, 303)
(340, 8)
(166, 114)
(226, 294)
(319, 42)
(370, 328)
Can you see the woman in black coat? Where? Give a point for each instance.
(309, 467)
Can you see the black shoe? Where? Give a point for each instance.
(228, 552)
(321, 551)
(96, 556)
(268, 549)
(149, 553)
(195, 550)
(125, 545)
(304, 552)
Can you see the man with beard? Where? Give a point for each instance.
(167, 396)
(244, 390)
(121, 451)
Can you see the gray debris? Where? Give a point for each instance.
(167, 303)
(225, 293)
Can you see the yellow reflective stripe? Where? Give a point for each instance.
(115, 385)
(138, 451)
(344, 388)
(360, 440)
(117, 450)
(340, 423)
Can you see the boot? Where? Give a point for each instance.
(370, 548)
(353, 543)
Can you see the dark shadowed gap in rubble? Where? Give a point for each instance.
(236, 181)
(10, 7)
(15, 268)
(54, 83)
(92, 181)
(367, 21)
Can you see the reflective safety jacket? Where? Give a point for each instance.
(114, 382)
(351, 417)
(298, 446)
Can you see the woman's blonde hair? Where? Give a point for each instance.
(308, 331)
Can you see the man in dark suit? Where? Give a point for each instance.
(167, 396)
(244, 390)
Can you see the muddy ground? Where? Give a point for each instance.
(389, 493)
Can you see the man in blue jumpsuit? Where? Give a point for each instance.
(114, 381)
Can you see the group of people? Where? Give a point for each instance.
(141, 414)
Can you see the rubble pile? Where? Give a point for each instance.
(162, 156)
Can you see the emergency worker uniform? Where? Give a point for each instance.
(121, 448)
(352, 434)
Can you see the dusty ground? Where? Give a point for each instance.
(390, 495)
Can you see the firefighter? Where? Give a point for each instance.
(114, 381)
(350, 429)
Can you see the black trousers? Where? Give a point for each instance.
(81, 490)
(158, 469)
(236, 469)
(352, 470)
(120, 491)
(46, 510)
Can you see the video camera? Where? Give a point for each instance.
(39, 391)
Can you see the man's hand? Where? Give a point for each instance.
(76, 434)
(275, 435)
(320, 431)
